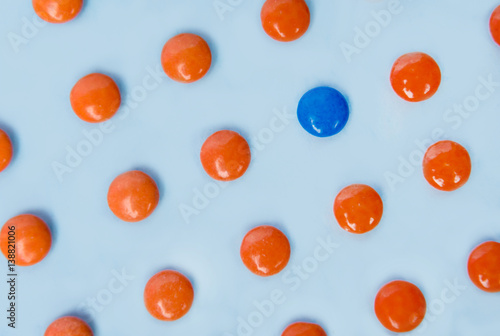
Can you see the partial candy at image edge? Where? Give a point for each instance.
(285, 20)
(483, 266)
(6, 150)
(57, 11)
(33, 239)
(358, 208)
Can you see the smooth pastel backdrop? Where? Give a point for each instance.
(425, 235)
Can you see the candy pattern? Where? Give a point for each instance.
(323, 112)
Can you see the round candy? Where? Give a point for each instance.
(186, 58)
(5, 150)
(484, 266)
(323, 111)
(400, 306)
(32, 239)
(225, 155)
(303, 329)
(415, 77)
(95, 98)
(168, 295)
(133, 196)
(57, 11)
(265, 250)
(358, 208)
(69, 326)
(495, 25)
(447, 165)
(285, 20)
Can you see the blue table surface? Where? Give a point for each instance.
(253, 87)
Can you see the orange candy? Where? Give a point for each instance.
(168, 295)
(484, 267)
(32, 239)
(133, 196)
(5, 150)
(358, 208)
(304, 329)
(265, 250)
(57, 11)
(447, 165)
(400, 306)
(95, 98)
(225, 155)
(186, 58)
(285, 20)
(415, 77)
(69, 326)
(495, 25)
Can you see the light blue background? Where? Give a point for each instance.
(425, 235)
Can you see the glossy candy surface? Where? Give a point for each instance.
(95, 98)
(304, 329)
(358, 208)
(265, 250)
(225, 155)
(5, 150)
(415, 77)
(168, 295)
(447, 165)
(495, 25)
(33, 239)
(133, 196)
(69, 326)
(400, 306)
(323, 111)
(484, 266)
(57, 11)
(285, 20)
(186, 58)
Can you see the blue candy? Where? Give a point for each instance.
(323, 111)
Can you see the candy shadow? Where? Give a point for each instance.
(83, 10)
(306, 319)
(86, 317)
(213, 49)
(187, 274)
(119, 82)
(155, 176)
(48, 219)
(484, 239)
